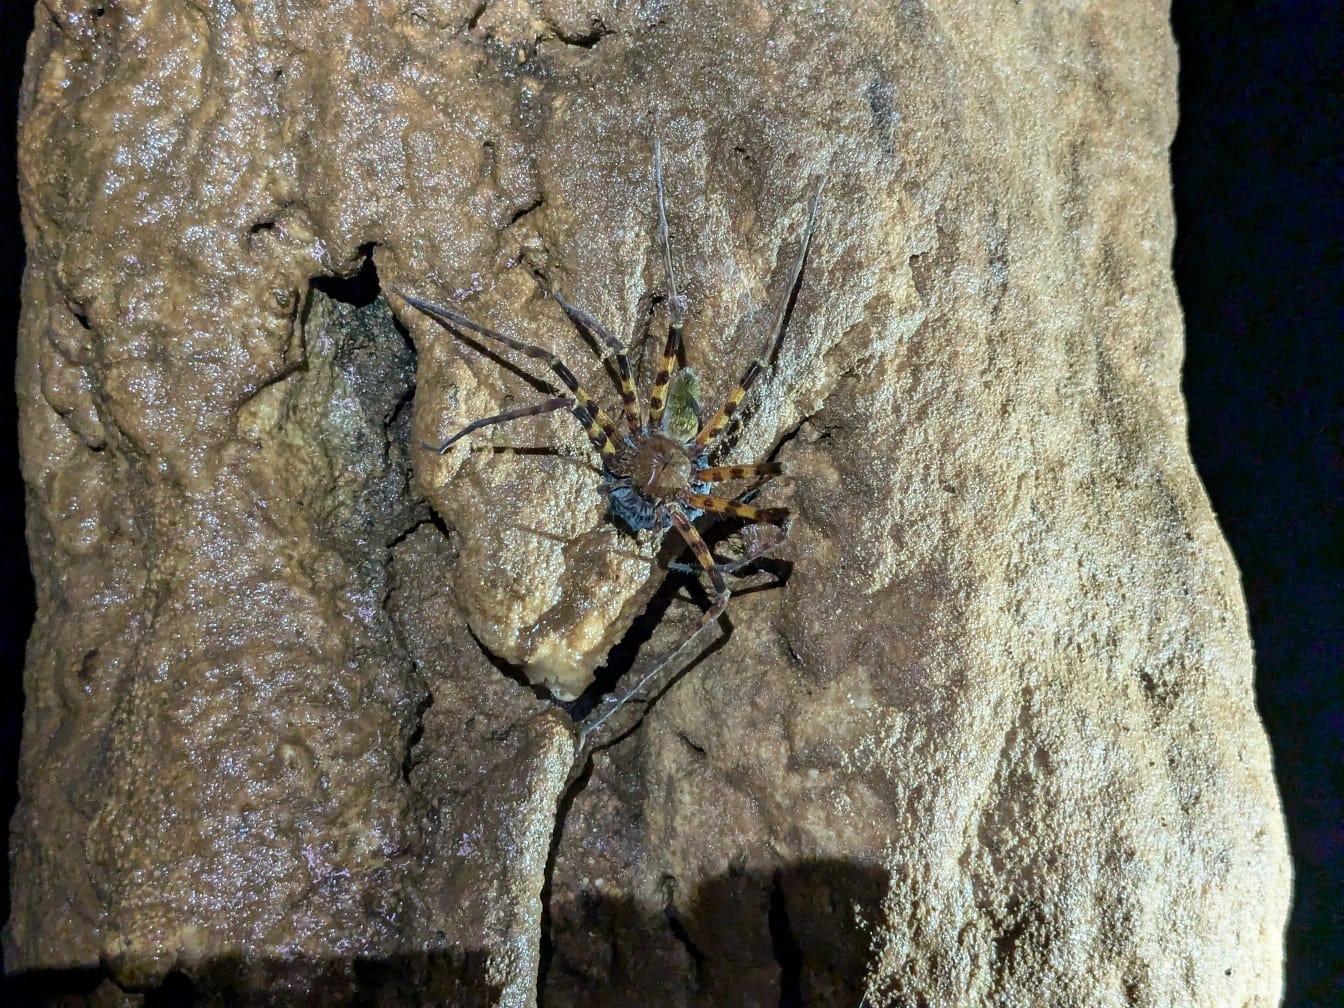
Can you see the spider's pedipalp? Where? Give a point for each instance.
(759, 470)
(634, 419)
(549, 406)
(721, 505)
(676, 307)
(719, 422)
(601, 431)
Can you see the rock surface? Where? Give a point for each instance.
(989, 735)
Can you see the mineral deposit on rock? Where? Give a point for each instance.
(985, 735)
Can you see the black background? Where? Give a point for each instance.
(1256, 169)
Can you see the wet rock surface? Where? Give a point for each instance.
(984, 733)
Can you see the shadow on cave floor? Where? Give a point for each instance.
(790, 937)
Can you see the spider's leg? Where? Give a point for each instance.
(676, 305)
(595, 421)
(761, 516)
(629, 397)
(549, 406)
(757, 551)
(720, 420)
(738, 507)
(702, 554)
(760, 471)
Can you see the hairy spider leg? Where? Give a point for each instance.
(763, 471)
(706, 559)
(757, 551)
(676, 306)
(634, 419)
(758, 470)
(719, 422)
(721, 505)
(549, 406)
(595, 421)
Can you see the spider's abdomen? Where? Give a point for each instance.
(640, 514)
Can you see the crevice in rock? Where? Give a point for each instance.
(410, 530)
(788, 436)
(437, 521)
(476, 15)
(597, 30)
(678, 928)
(510, 671)
(691, 744)
(784, 944)
(546, 945)
(410, 760)
(359, 290)
(536, 203)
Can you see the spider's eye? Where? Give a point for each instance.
(683, 406)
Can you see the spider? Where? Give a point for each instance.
(656, 471)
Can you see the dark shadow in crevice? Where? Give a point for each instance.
(55, 986)
(437, 521)
(536, 203)
(176, 989)
(409, 761)
(677, 927)
(622, 657)
(595, 33)
(788, 953)
(411, 529)
(509, 670)
(477, 13)
(546, 950)
(358, 290)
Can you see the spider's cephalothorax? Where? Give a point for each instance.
(661, 464)
(657, 471)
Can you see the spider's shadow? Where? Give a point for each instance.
(682, 586)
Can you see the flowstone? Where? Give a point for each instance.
(986, 734)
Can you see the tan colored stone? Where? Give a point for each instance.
(992, 741)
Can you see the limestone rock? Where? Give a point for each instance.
(989, 735)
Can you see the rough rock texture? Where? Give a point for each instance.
(989, 739)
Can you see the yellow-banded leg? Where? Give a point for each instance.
(549, 406)
(702, 554)
(720, 420)
(780, 517)
(721, 505)
(676, 306)
(595, 421)
(758, 470)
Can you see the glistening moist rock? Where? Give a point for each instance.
(992, 739)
